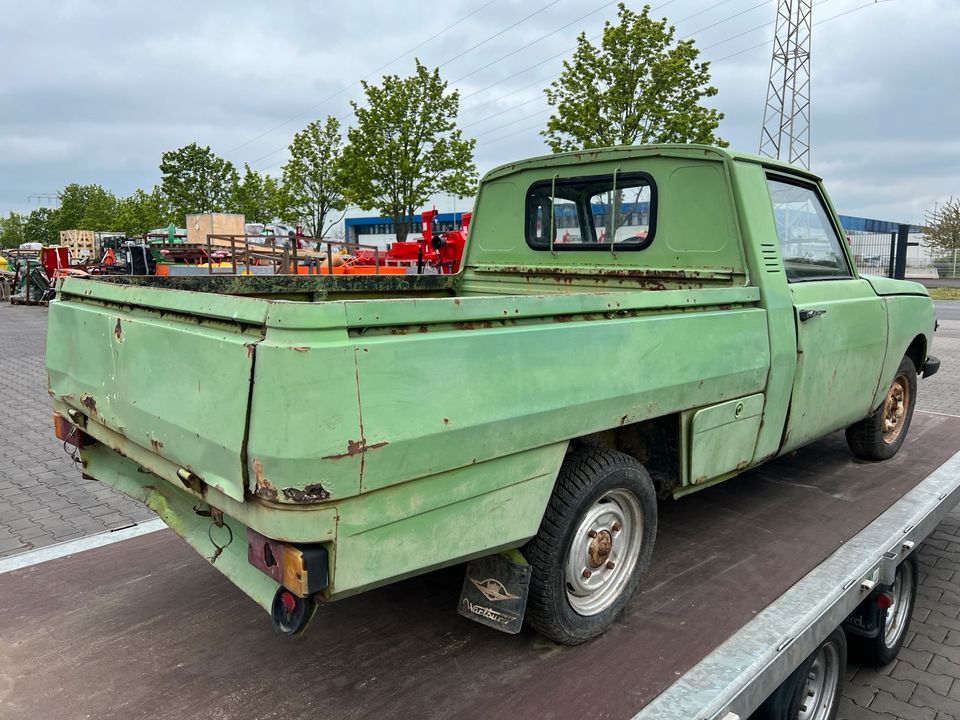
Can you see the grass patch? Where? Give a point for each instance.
(944, 293)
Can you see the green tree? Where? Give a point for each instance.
(196, 180)
(41, 226)
(11, 230)
(142, 212)
(84, 207)
(313, 178)
(406, 147)
(636, 87)
(942, 231)
(257, 197)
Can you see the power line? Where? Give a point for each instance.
(714, 62)
(445, 62)
(498, 34)
(523, 47)
(591, 39)
(534, 42)
(357, 82)
(512, 122)
(598, 35)
(731, 17)
(767, 43)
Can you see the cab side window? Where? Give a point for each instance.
(809, 243)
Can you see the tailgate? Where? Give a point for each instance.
(169, 370)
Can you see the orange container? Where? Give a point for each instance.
(372, 270)
(324, 270)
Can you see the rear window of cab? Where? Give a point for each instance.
(615, 212)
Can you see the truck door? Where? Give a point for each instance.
(841, 323)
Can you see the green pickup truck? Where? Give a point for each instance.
(630, 324)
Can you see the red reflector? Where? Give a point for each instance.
(67, 431)
(288, 600)
(884, 601)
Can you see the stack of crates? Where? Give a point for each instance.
(81, 243)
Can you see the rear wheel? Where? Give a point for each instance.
(879, 436)
(895, 621)
(812, 692)
(594, 545)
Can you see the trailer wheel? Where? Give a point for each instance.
(290, 614)
(883, 649)
(812, 692)
(879, 436)
(594, 545)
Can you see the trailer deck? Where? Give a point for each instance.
(146, 628)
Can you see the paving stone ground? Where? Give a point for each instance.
(44, 500)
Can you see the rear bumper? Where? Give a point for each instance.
(930, 367)
(176, 508)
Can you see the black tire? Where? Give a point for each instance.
(894, 623)
(594, 486)
(827, 663)
(867, 438)
(290, 615)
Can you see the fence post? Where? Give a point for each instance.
(903, 237)
(893, 254)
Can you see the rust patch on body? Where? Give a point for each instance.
(251, 348)
(157, 445)
(446, 421)
(262, 488)
(118, 331)
(311, 493)
(300, 348)
(354, 447)
(89, 402)
(456, 301)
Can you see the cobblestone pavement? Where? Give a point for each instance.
(43, 498)
(923, 683)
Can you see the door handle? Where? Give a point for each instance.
(807, 314)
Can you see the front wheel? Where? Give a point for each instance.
(880, 436)
(594, 545)
(812, 692)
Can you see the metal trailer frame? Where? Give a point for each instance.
(734, 680)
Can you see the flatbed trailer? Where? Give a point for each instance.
(750, 577)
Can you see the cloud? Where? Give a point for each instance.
(94, 92)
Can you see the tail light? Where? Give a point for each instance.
(302, 569)
(68, 432)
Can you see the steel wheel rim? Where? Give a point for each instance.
(603, 552)
(895, 408)
(898, 614)
(820, 687)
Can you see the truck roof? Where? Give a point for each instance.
(638, 151)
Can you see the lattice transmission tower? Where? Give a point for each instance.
(786, 115)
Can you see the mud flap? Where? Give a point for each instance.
(495, 591)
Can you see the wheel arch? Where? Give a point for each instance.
(917, 351)
(654, 443)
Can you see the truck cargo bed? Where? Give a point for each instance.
(145, 627)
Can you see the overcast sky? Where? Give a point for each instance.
(94, 91)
